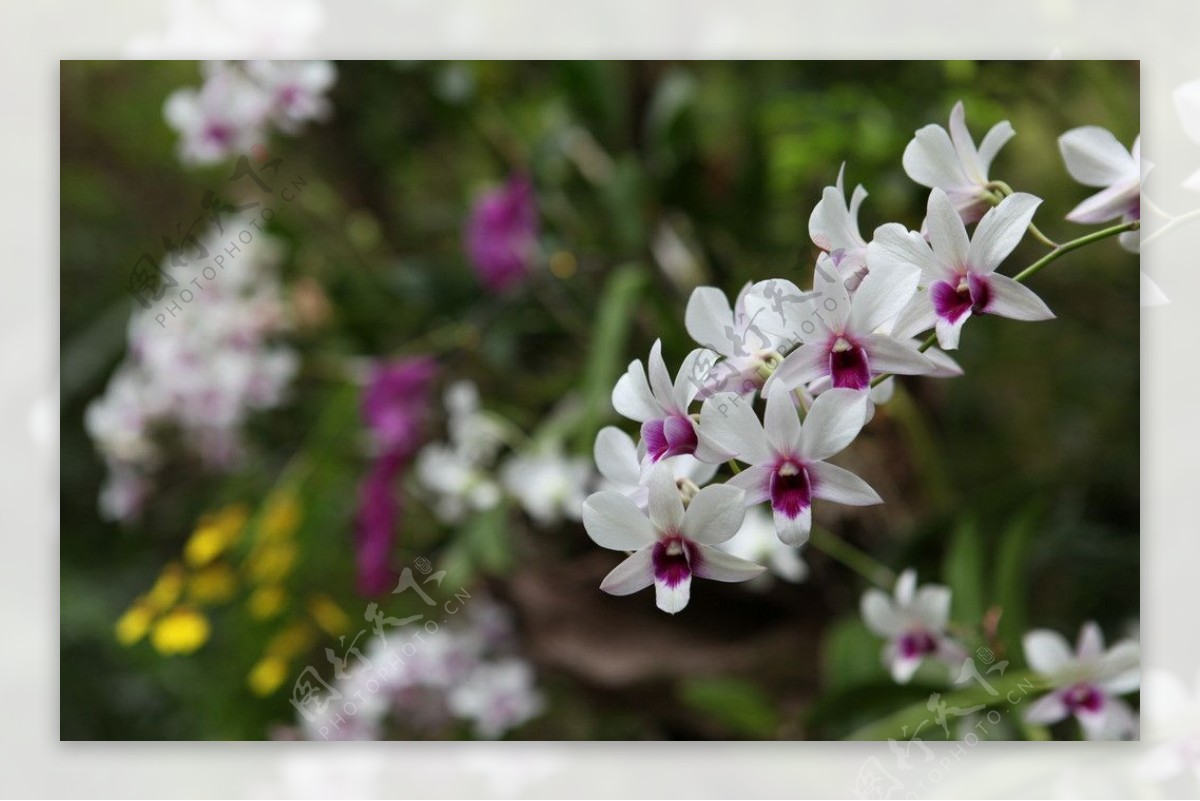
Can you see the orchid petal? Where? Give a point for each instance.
(833, 422)
(755, 481)
(709, 319)
(1015, 301)
(1000, 231)
(614, 521)
(714, 515)
(633, 574)
(838, 485)
(780, 420)
(1047, 651)
(1094, 157)
(719, 565)
(730, 422)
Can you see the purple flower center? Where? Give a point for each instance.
(288, 95)
(673, 558)
(1083, 697)
(916, 644)
(218, 133)
(671, 436)
(848, 365)
(791, 492)
(972, 294)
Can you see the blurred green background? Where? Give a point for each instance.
(1017, 484)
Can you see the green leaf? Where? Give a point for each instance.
(734, 703)
(1011, 582)
(851, 656)
(487, 536)
(1014, 688)
(963, 570)
(609, 339)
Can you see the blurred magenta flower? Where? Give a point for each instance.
(396, 403)
(502, 232)
(378, 511)
(394, 407)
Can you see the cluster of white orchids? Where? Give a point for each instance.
(819, 360)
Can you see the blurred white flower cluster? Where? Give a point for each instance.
(460, 476)
(201, 375)
(240, 103)
(428, 680)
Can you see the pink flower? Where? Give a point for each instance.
(501, 235)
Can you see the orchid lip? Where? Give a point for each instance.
(675, 559)
(791, 489)
(849, 366)
(1083, 697)
(671, 436)
(916, 644)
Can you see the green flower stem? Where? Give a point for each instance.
(1074, 244)
(734, 467)
(997, 191)
(860, 562)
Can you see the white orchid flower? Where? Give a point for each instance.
(786, 458)
(225, 117)
(672, 544)
(734, 334)
(833, 227)
(959, 272)
(1087, 682)
(1095, 158)
(950, 162)
(624, 471)
(662, 406)
(914, 623)
(296, 89)
(549, 485)
(841, 335)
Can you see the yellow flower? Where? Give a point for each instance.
(297, 637)
(180, 631)
(213, 584)
(166, 589)
(214, 534)
(266, 601)
(329, 616)
(272, 562)
(134, 624)
(281, 516)
(266, 675)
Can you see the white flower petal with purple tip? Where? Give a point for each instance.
(674, 544)
(833, 227)
(840, 334)
(914, 622)
(733, 334)
(624, 470)
(786, 457)
(1085, 682)
(959, 272)
(950, 161)
(1095, 158)
(650, 398)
